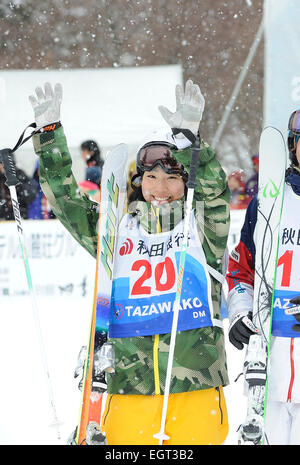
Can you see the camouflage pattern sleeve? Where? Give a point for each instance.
(74, 209)
(211, 203)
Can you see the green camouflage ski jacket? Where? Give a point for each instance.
(141, 362)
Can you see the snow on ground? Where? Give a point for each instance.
(236, 401)
(24, 401)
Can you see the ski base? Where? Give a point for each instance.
(272, 167)
(113, 197)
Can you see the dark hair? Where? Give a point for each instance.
(136, 195)
(92, 146)
(136, 186)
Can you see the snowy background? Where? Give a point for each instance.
(209, 41)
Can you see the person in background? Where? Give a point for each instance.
(91, 189)
(238, 198)
(91, 154)
(251, 186)
(39, 209)
(282, 419)
(26, 192)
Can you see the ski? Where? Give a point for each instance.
(113, 197)
(272, 167)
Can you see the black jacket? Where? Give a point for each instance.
(26, 192)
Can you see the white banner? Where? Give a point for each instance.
(59, 265)
(282, 62)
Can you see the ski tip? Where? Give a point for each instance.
(120, 150)
(271, 129)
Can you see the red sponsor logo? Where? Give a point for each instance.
(103, 301)
(126, 247)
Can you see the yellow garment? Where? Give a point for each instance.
(193, 418)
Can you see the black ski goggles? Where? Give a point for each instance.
(294, 130)
(154, 155)
(294, 122)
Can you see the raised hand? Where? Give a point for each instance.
(189, 108)
(46, 104)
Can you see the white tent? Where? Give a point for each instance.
(107, 105)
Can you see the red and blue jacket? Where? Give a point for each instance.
(284, 365)
(242, 258)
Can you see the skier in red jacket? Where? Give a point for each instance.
(282, 422)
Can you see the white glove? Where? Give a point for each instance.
(46, 104)
(189, 108)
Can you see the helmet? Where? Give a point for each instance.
(158, 135)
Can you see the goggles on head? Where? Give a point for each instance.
(294, 122)
(155, 154)
(294, 130)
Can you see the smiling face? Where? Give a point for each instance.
(159, 187)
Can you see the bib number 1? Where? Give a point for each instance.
(286, 260)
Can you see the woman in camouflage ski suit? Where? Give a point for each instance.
(196, 410)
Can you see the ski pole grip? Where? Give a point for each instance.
(6, 156)
(191, 184)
